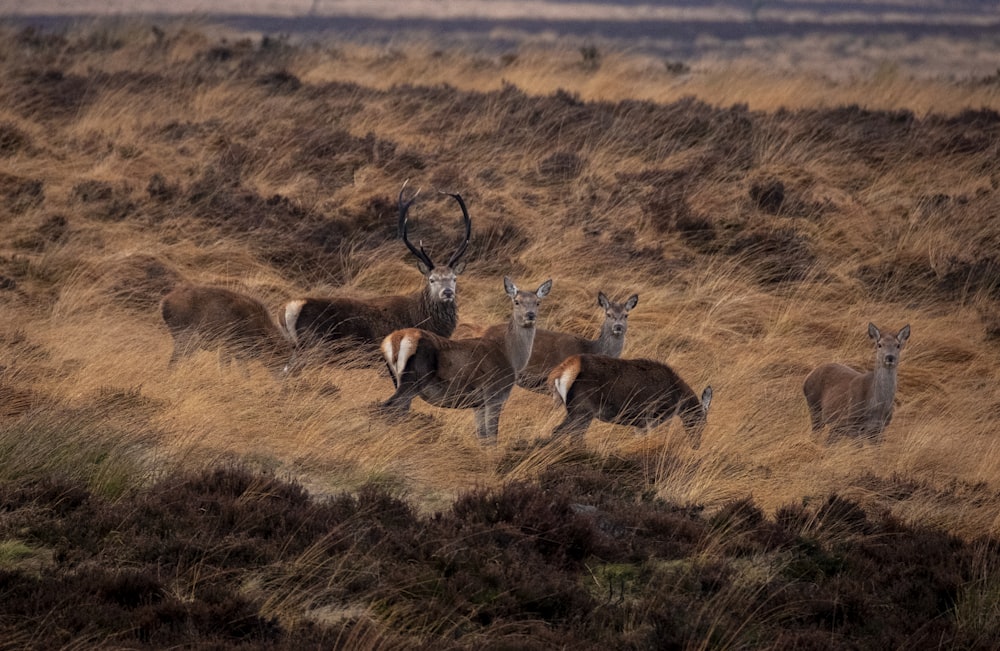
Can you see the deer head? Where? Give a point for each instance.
(888, 347)
(616, 314)
(441, 279)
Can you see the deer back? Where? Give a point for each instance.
(631, 387)
(221, 316)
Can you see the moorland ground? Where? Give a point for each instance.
(763, 222)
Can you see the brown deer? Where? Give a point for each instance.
(855, 403)
(211, 318)
(315, 320)
(552, 347)
(634, 392)
(476, 374)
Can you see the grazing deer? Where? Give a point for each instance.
(855, 403)
(553, 347)
(211, 317)
(433, 308)
(476, 374)
(634, 392)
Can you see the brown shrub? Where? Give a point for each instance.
(137, 282)
(776, 255)
(12, 139)
(21, 194)
(103, 201)
(49, 95)
(52, 230)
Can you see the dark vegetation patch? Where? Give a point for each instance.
(12, 139)
(138, 281)
(335, 156)
(279, 82)
(104, 202)
(51, 231)
(957, 278)
(495, 245)
(19, 193)
(560, 167)
(48, 94)
(768, 194)
(586, 557)
(776, 255)
(874, 137)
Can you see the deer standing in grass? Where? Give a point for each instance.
(476, 373)
(855, 403)
(433, 308)
(635, 392)
(552, 347)
(210, 318)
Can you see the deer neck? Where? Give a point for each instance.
(439, 317)
(883, 389)
(608, 343)
(519, 341)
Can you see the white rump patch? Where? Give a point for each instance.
(292, 309)
(407, 344)
(563, 383)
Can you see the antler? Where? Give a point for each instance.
(404, 206)
(468, 230)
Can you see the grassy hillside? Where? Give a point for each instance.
(762, 221)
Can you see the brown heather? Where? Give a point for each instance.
(764, 221)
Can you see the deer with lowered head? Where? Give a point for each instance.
(851, 402)
(313, 320)
(477, 373)
(639, 393)
(239, 326)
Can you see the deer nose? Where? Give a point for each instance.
(529, 316)
(617, 329)
(447, 294)
(890, 359)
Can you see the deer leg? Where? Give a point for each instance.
(574, 425)
(488, 423)
(816, 418)
(400, 400)
(183, 346)
(293, 366)
(407, 389)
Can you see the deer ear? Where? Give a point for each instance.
(873, 332)
(602, 300)
(424, 269)
(904, 334)
(631, 302)
(543, 289)
(706, 398)
(509, 286)
(458, 267)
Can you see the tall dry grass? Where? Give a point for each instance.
(85, 354)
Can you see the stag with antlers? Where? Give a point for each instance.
(314, 320)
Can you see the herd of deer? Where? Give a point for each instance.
(478, 368)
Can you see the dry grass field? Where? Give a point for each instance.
(763, 222)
